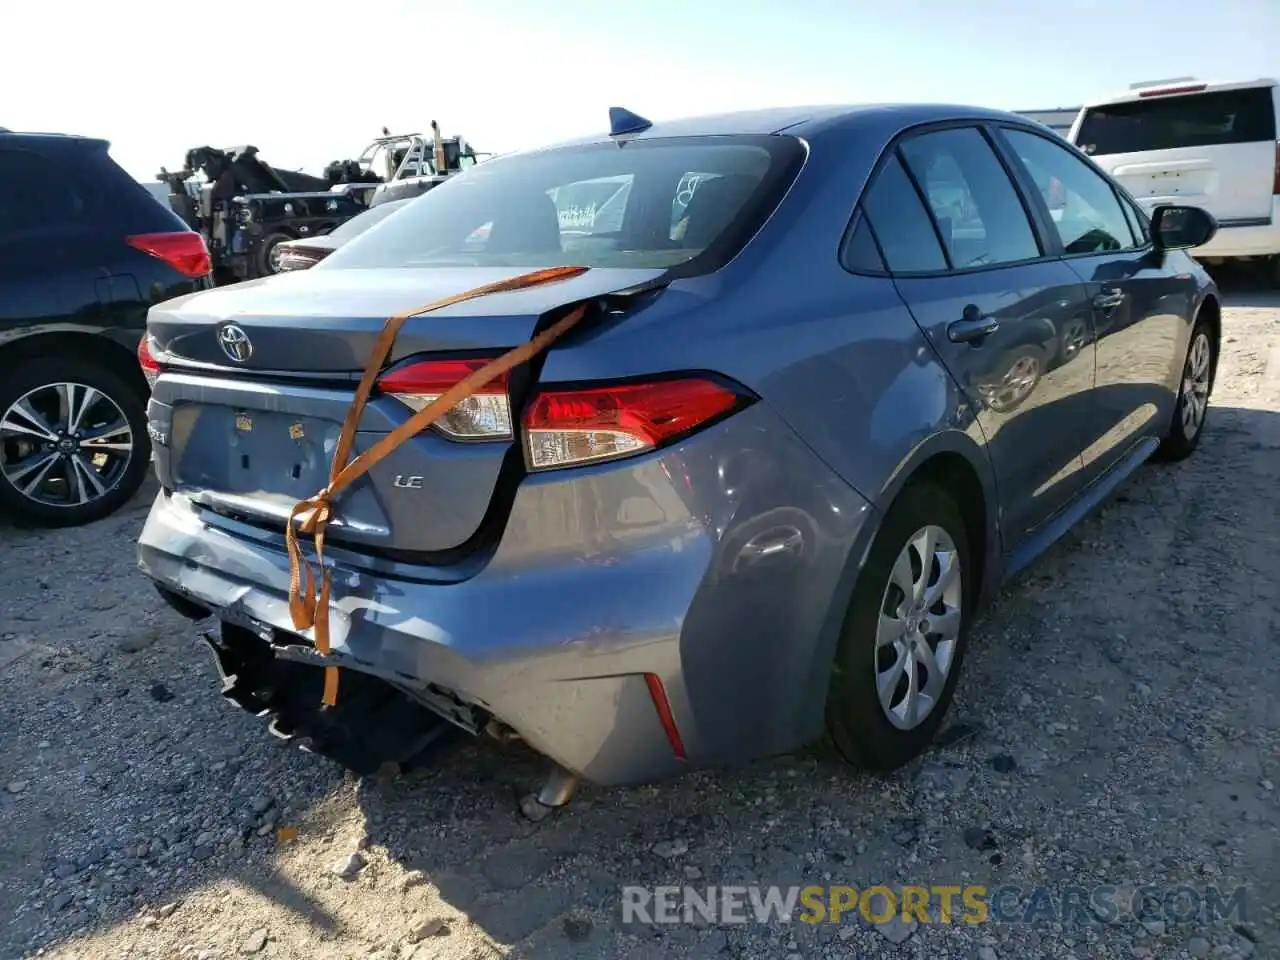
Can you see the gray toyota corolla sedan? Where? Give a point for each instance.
(843, 372)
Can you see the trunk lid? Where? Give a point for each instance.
(249, 437)
(1232, 182)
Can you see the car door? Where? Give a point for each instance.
(1009, 320)
(1138, 305)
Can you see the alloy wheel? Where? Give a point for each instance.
(1195, 386)
(64, 444)
(919, 627)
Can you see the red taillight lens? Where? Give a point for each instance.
(146, 359)
(184, 250)
(1275, 186)
(566, 428)
(485, 415)
(1172, 91)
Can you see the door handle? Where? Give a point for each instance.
(972, 328)
(1108, 299)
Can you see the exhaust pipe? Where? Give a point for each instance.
(439, 148)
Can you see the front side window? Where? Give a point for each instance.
(973, 201)
(686, 203)
(1085, 210)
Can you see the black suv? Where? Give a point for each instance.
(85, 251)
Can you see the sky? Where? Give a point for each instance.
(310, 81)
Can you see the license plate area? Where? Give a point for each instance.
(251, 452)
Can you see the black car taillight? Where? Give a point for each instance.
(184, 250)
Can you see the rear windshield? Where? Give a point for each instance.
(1191, 120)
(687, 203)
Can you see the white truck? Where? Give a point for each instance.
(1211, 145)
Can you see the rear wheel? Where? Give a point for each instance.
(73, 442)
(1192, 407)
(903, 638)
(267, 260)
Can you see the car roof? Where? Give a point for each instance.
(53, 139)
(802, 121)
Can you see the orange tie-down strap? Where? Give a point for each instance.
(305, 607)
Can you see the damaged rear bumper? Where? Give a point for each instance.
(718, 566)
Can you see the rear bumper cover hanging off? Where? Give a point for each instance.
(716, 565)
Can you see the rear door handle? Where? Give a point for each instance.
(1108, 299)
(969, 329)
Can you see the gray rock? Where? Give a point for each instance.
(256, 942)
(1154, 927)
(986, 953)
(17, 786)
(428, 928)
(61, 901)
(1198, 947)
(349, 866)
(670, 849)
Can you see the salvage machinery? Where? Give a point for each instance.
(246, 208)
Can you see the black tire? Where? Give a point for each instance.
(856, 723)
(263, 266)
(121, 483)
(1177, 445)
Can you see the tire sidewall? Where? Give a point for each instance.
(1176, 444)
(855, 721)
(133, 404)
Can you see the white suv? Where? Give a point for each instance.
(1211, 145)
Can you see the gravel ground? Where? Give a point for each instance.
(1118, 723)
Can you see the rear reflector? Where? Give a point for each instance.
(661, 704)
(146, 359)
(486, 415)
(566, 428)
(1275, 186)
(184, 250)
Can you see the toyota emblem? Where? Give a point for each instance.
(235, 343)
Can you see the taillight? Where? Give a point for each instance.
(565, 428)
(485, 415)
(1275, 186)
(147, 360)
(184, 250)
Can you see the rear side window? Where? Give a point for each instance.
(36, 193)
(683, 203)
(901, 223)
(1191, 120)
(860, 254)
(973, 201)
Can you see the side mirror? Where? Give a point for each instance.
(1181, 228)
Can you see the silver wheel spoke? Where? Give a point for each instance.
(34, 426)
(88, 486)
(903, 577)
(935, 679)
(887, 682)
(20, 474)
(891, 629)
(946, 624)
(76, 412)
(950, 567)
(117, 437)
